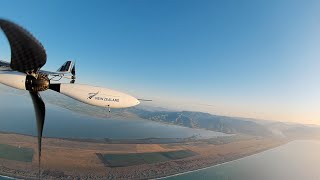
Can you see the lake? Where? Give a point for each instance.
(296, 160)
(17, 115)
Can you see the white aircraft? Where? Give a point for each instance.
(23, 72)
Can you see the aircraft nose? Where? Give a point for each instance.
(132, 101)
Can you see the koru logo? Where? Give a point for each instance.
(91, 95)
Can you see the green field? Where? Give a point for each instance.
(16, 153)
(130, 159)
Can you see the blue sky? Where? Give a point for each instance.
(247, 58)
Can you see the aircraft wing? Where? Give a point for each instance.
(27, 53)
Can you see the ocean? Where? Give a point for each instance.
(295, 161)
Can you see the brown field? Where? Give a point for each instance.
(79, 159)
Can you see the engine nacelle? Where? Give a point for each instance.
(13, 79)
(96, 96)
(23, 81)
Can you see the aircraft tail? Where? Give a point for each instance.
(69, 67)
(66, 67)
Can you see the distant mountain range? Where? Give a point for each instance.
(228, 125)
(207, 121)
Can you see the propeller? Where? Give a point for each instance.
(28, 56)
(40, 112)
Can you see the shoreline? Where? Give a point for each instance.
(9, 177)
(3, 176)
(219, 164)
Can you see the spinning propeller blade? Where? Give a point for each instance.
(27, 53)
(40, 111)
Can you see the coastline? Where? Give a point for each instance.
(3, 176)
(219, 164)
(10, 177)
(204, 168)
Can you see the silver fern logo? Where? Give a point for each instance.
(91, 95)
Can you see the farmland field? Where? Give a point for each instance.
(130, 159)
(16, 153)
